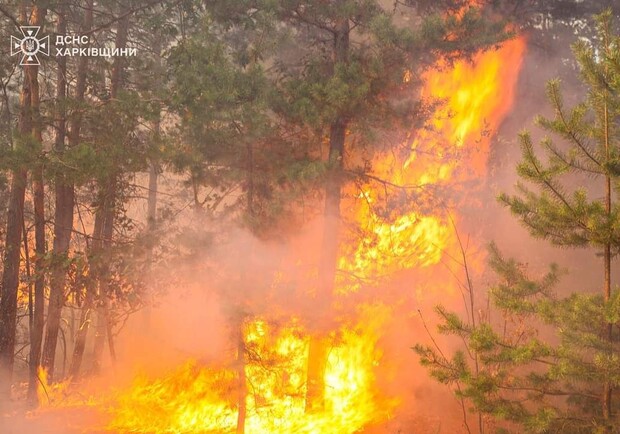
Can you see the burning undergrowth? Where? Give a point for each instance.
(196, 398)
(238, 358)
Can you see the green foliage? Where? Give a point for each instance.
(542, 378)
(591, 131)
(544, 369)
(255, 88)
(368, 89)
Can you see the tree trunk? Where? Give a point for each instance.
(69, 194)
(151, 221)
(247, 270)
(241, 386)
(107, 212)
(151, 216)
(607, 387)
(151, 213)
(10, 277)
(80, 339)
(65, 201)
(36, 333)
(91, 289)
(15, 215)
(317, 354)
(109, 209)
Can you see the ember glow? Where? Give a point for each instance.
(197, 398)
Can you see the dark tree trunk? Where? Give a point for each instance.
(151, 221)
(151, 215)
(317, 355)
(65, 201)
(15, 215)
(154, 168)
(109, 211)
(80, 338)
(607, 387)
(36, 332)
(10, 277)
(87, 309)
(242, 389)
(74, 137)
(606, 396)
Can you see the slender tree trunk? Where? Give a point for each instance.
(151, 218)
(87, 309)
(109, 209)
(65, 198)
(102, 276)
(151, 213)
(63, 225)
(317, 354)
(15, 215)
(242, 391)
(10, 277)
(80, 338)
(68, 194)
(36, 338)
(36, 333)
(607, 387)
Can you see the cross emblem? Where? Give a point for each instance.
(29, 45)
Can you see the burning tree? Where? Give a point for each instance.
(247, 99)
(351, 82)
(565, 383)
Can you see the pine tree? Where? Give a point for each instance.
(30, 136)
(349, 87)
(567, 383)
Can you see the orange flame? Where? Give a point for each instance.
(198, 399)
(477, 97)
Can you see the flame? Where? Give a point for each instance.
(477, 96)
(190, 399)
(49, 394)
(452, 148)
(197, 398)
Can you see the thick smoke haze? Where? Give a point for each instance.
(238, 276)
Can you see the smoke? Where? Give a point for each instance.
(223, 278)
(543, 63)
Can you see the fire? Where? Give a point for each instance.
(199, 399)
(196, 398)
(477, 96)
(56, 394)
(190, 399)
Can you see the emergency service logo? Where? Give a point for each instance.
(29, 45)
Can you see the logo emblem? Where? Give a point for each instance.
(29, 45)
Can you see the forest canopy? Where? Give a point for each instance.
(254, 204)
